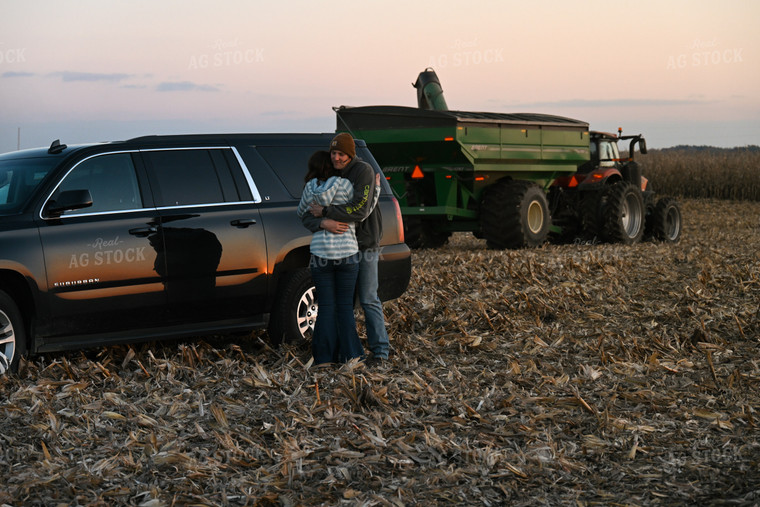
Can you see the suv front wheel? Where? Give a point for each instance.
(12, 335)
(295, 310)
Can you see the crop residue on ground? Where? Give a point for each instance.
(588, 374)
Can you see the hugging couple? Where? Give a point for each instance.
(339, 206)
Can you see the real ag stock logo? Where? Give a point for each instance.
(226, 53)
(465, 53)
(705, 54)
(12, 55)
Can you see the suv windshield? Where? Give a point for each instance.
(19, 177)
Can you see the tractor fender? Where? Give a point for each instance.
(599, 178)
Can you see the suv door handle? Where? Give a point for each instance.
(141, 232)
(243, 222)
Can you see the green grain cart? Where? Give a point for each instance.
(513, 179)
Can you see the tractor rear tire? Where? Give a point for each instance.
(591, 215)
(623, 214)
(665, 221)
(514, 214)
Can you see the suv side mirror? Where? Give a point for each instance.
(67, 201)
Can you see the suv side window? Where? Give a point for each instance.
(290, 164)
(111, 180)
(183, 177)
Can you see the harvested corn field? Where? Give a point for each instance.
(576, 374)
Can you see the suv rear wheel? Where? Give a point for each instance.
(295, 310)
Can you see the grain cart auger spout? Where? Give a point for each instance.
(514, 179)
(429, 91)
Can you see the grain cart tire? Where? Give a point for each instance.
(514, 214)
(422, 232)
(413, 231)
(623, 214)
(665, 221)
(431, 237)
(295, 311)
(12, 335)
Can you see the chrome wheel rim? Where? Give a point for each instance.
(7, 342)
(306, 316)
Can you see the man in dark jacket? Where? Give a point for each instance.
(369, 229)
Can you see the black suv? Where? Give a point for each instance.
(164, 236)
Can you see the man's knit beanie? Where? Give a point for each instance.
(345, 143)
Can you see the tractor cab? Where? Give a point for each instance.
(603, 149)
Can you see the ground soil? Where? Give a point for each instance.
(587, 374)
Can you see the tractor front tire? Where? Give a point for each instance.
(664, 223)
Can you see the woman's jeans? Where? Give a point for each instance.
(335, 339)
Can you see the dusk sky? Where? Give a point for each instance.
(679, 72)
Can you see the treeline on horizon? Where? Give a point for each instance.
(704, 172)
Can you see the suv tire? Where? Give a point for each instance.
(295, 309)
(12, 334)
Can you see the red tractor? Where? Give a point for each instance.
(608, 199)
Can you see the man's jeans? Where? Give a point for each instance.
(377, 336)
(335, 338)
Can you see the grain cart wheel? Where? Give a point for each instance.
(12, 335)
(295, 311)
(514, 214)
(412, 223)
(432, 237)
(665, 221)
(422, 232)
(623, 214)
(413, 231)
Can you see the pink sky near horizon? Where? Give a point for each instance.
(681, 72)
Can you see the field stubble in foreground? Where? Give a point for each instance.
(588, 374)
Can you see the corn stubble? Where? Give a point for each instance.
(587, 374)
